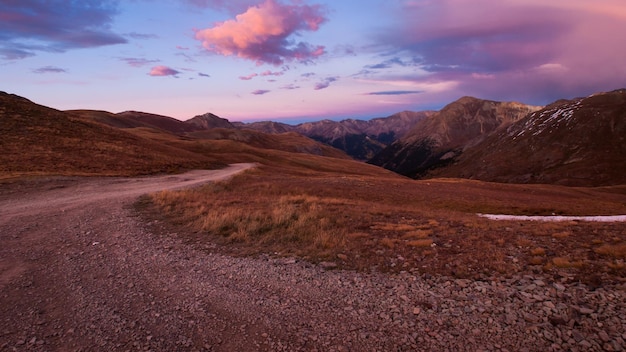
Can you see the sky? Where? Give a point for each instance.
(304, 60)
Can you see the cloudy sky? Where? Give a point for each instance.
(297, 60)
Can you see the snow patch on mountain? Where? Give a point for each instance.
(546, 120)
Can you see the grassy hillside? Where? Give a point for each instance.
(371, 220)
(38, 140)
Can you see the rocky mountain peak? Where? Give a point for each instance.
(208, 121)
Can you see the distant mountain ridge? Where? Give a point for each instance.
(361, 139)
(437, 140)
(210, 127)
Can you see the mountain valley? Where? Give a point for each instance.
(106, 244)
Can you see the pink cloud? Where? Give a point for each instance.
(248, 77)
(270, 73)
(160, 71)
(137, 62)
(263, 33)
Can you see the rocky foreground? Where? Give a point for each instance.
(79, 272)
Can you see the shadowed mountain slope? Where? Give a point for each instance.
(579, 142)
(360, 139)
(437, 140)
(289, 142)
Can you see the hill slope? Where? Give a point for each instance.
(579, 142)
(435, 141)
(37, 139)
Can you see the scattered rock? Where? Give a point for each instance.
(328, 265)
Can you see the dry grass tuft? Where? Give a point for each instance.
(388, 242)
(538, 251)
(612, 250)
(562, 234)
(561, 262)
(417, 234)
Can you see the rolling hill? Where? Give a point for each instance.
(38, 140)
(41, 140)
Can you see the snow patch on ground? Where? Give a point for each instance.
(601, 218)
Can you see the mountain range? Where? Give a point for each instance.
(436, 141)
(361, 139)
(569, 142)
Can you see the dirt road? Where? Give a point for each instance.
(79, 272)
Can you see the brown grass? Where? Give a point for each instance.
(289, 224)
(562, 262)
(538, 251)
(374, 219)
(612, 250)
(562, 234)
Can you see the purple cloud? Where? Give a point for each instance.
(161, 71)
(203, 74)
(290, 87)
(248, 77)
(137, 62)
(270, 73)
(55, 25)
(396, 61)
(263, 33)
(49, 69)
(528, 50)
(325, 83)
(396, 92)
(232, 6)
(260, 92)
